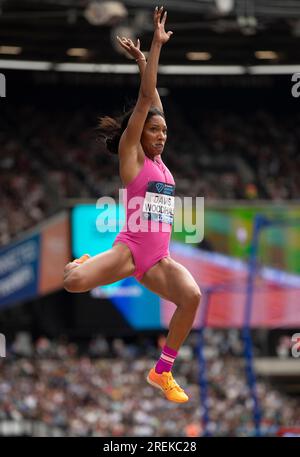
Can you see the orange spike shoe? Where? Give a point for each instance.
(168, 385)
(83, 258)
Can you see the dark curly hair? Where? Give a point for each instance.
(111, 129)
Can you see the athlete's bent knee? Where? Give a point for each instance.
(196, 297)
(193, 299)
(74, 282)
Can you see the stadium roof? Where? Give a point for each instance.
(214, 32)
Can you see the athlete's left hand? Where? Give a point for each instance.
(159, 20)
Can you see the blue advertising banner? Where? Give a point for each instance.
(19, 271)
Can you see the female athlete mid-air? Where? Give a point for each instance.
(139, 138)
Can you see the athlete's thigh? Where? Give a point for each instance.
(170, 280)
(107, 267)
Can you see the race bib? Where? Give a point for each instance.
(159, 202)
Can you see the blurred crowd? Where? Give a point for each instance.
(60, 388)
(50, 155)
(255, 154)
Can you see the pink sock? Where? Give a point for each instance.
(167, 358)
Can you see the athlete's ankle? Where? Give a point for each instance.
(166, 360)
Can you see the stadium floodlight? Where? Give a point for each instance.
(77, 52)
(224, 6)
(198, 55)
(10, 50)
(266, 55)
(105, 13)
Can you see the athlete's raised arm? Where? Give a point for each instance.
(134, 50)
(130, 150)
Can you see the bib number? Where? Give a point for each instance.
(159, 202)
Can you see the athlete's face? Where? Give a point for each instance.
(154, 135)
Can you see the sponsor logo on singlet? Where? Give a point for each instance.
(159, 202)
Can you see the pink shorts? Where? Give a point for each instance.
(145, 255)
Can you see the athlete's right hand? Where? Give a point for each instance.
(159, 19)
(132, 49)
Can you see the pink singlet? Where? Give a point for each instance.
(149, 218)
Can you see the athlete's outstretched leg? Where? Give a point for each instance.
(173, 282)
(105, 268)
